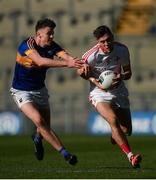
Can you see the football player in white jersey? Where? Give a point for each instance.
(112, 103)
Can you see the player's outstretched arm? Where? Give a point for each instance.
(74, 61)
(46, 62)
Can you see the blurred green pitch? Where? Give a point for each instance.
(97, 158)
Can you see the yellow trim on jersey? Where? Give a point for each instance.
(61, 53)
(29, 51)
(24, 60)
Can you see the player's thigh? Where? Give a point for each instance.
(106, 111)
(32, 112)
(124, 116)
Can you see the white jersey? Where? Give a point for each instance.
(99, 62)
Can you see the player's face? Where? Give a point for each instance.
(46, 36)
(106, 43)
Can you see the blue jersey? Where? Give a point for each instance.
(28, 76)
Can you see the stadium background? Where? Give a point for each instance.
(132, 21)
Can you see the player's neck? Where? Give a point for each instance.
(38, 42)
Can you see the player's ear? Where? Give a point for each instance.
(38, 34)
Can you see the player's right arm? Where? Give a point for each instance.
(70, 59)
(81, 73)
(45, 62)
(88, 58)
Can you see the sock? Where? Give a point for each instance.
(39, 135)
(129, 155)
(37, 138)
(64, 152)
(125, 148)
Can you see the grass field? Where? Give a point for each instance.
(97, 159)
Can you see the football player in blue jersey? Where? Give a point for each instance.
(34, 56)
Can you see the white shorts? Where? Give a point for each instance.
(117, 101)
(39, 97)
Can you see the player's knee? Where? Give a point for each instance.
(39, 122)
(113, 121)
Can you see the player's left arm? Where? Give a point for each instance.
(127, 72)
(126, 65)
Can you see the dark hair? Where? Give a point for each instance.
(101, 31)
(44, 23)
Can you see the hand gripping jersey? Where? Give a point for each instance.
(99, 62)
(27, 75)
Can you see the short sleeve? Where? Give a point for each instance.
(61, 53)
(26, 47)
(57, 49)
